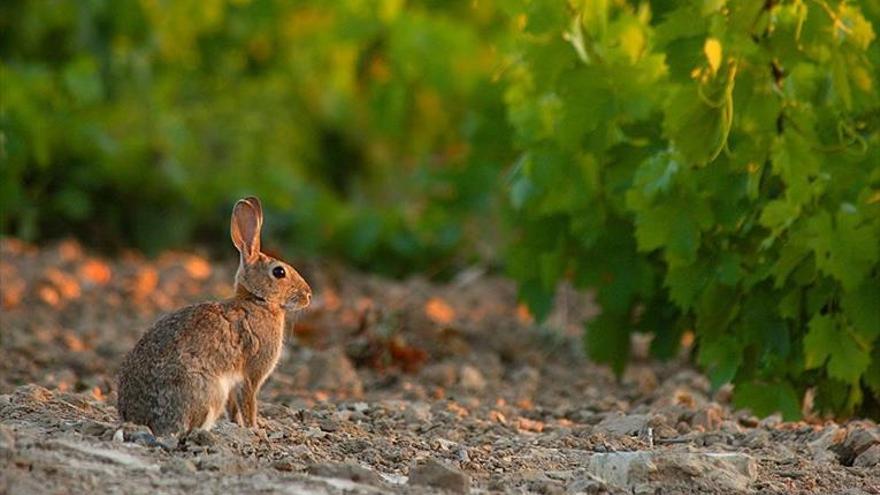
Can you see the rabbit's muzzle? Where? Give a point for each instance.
(300, 300)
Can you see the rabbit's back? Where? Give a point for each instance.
(179, 373)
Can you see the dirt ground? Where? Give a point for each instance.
(384, 387)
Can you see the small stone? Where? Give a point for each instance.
(544, 486)
(724, 394)
(771, 421)
(868, 458)
(7, 442)
(418, 412)
(93, 428)
(857, 441)
(757, 439)
(284, 465)
(346, 471)
(526, 380)
(709, 418)
(471, 379)
(439, 374)
(749, 421)
(437, 474)
(144, 438)
(587, 484)
(178, 465)
(642, 378)
(854, 491)
(823, 447)
(32, 393)
(619, 424)
(328, 425)
(201, 437)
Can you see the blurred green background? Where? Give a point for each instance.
(371, 130)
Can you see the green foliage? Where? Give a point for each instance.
(372, 129)
(712, 166)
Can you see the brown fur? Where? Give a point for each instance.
(193, 364)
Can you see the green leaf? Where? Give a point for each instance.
(607, 341)
(791, 254)
(656, 175)
(542, 17)
(537, 298)
(872, 374)
(796, 162)
(862, 308)
(847, 250)
(696, 129)
(817, 342)
(765, 399)
(721, 357)
(717, 307)
(778, 215)
(686, 281)
(826, 341)
(585, 104)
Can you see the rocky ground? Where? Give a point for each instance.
(384, 387)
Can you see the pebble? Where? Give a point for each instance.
(822, 447)
(329, 425)
(857, 441)
(7, 442)
(178, 465)
(868, 458)
(202, 438)
(471, 379)
(437, 474)
(708, 418)
(439, 374)
(587, 484)
(284, 465)
(623, 425)
(93, 428)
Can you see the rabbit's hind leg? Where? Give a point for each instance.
(233, 406)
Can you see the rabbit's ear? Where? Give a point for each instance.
(255, 203)
(247, 220)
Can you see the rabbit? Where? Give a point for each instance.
(199, 361)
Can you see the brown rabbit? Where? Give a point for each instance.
(194, 361)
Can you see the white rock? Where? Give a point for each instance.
(637, 471)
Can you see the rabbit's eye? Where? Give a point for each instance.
(278, 272)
